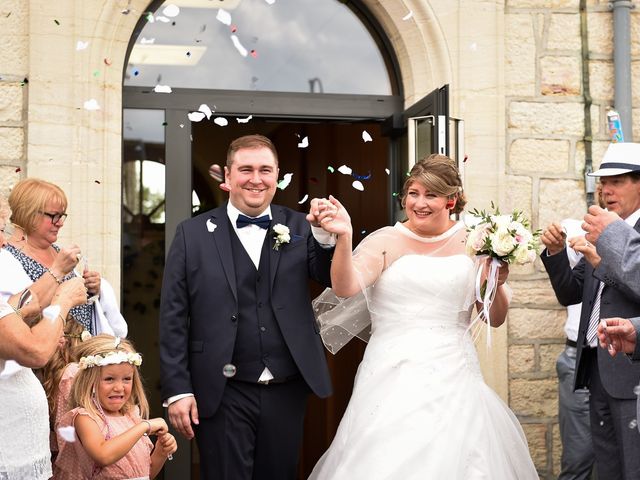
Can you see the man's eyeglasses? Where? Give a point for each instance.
(55, 217)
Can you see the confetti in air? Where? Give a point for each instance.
(345, 170)
(162, 19)
(171, 10)
(195, 116)
(57, 22)
(147, 41)
(238, 45)
(18, 170)
(304, 199)
(408, 15)
(362, 177)
(162, 89)
(181, 125)
(358, 185)
(284, 183)
(387, 171)
(107, 62)
(244, 120)
(224, 17)
(254, 54)
(366, 137)
(270, 2)
(91, 104)
(204, 108)
(81, 45)
(304, 143)
(97, 182)
(149, 17)
(221, 121)
(331, 169)
(215, 172)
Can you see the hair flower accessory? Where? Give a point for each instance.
(281, 235)
(111, 358)
(506, 238)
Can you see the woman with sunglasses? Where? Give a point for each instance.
(32, 256)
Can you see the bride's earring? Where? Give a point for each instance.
(450, 204)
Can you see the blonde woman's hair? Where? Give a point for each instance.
(86, 381)
(438, 174)
(53, 370)
(29, 197)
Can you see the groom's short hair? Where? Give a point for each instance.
(250, 142)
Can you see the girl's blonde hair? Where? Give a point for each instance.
(29, 198)
(87, 380)
(53, 370)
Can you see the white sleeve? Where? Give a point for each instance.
(108, 316)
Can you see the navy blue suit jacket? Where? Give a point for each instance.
(198, 311)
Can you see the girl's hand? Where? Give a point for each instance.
(166, 444)
(158, 426)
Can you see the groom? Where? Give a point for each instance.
(239, 345)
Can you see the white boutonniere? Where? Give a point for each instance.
(281, 235)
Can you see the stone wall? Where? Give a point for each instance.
(544, 169)
(14, 65)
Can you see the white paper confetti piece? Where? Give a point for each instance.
(388, 172)
(358, 185)
(221, 121)
(270, 2)
(68, 434)
(162, 89)
(147, 41)
(224, 16)
(244, 120)
(408, 15)
(204, 108)
(211, 226)
(366, 137)
(181, 125)
(81, 45)
(91, 104)
(195, 116)
(284, 183)
(162, 19)
(345, 170)
(304, 199)
(238, 45)
(304, 143)
(171, 10)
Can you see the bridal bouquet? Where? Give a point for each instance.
(505, 238)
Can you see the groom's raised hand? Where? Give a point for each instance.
(330, 215)
(182, 413)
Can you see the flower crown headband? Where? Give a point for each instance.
(110, 358)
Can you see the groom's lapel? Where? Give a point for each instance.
(222, 239)
(277, 216)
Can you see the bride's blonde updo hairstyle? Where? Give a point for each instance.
(438, 174)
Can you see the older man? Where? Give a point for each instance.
(610, 380)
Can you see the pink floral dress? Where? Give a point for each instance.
(73, 462)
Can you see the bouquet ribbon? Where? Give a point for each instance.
(490, 288)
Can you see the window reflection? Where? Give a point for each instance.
(291, 45)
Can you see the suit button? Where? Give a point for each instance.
(263, 329)
(234, 318)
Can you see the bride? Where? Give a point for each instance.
(419, 408)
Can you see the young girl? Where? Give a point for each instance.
(109, 411)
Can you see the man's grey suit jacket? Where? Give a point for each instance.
(619, 376)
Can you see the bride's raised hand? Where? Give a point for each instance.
(335, 218)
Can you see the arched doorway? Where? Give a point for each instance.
(301, 77)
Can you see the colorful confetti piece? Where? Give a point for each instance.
(284, 183)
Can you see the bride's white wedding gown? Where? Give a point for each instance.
(420, 408)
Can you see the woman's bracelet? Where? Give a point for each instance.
(55, 277)
(146, 434)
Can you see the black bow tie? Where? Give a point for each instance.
(262, 222)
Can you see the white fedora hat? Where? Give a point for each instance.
(619, 158)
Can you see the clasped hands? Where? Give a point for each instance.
(330, 215)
